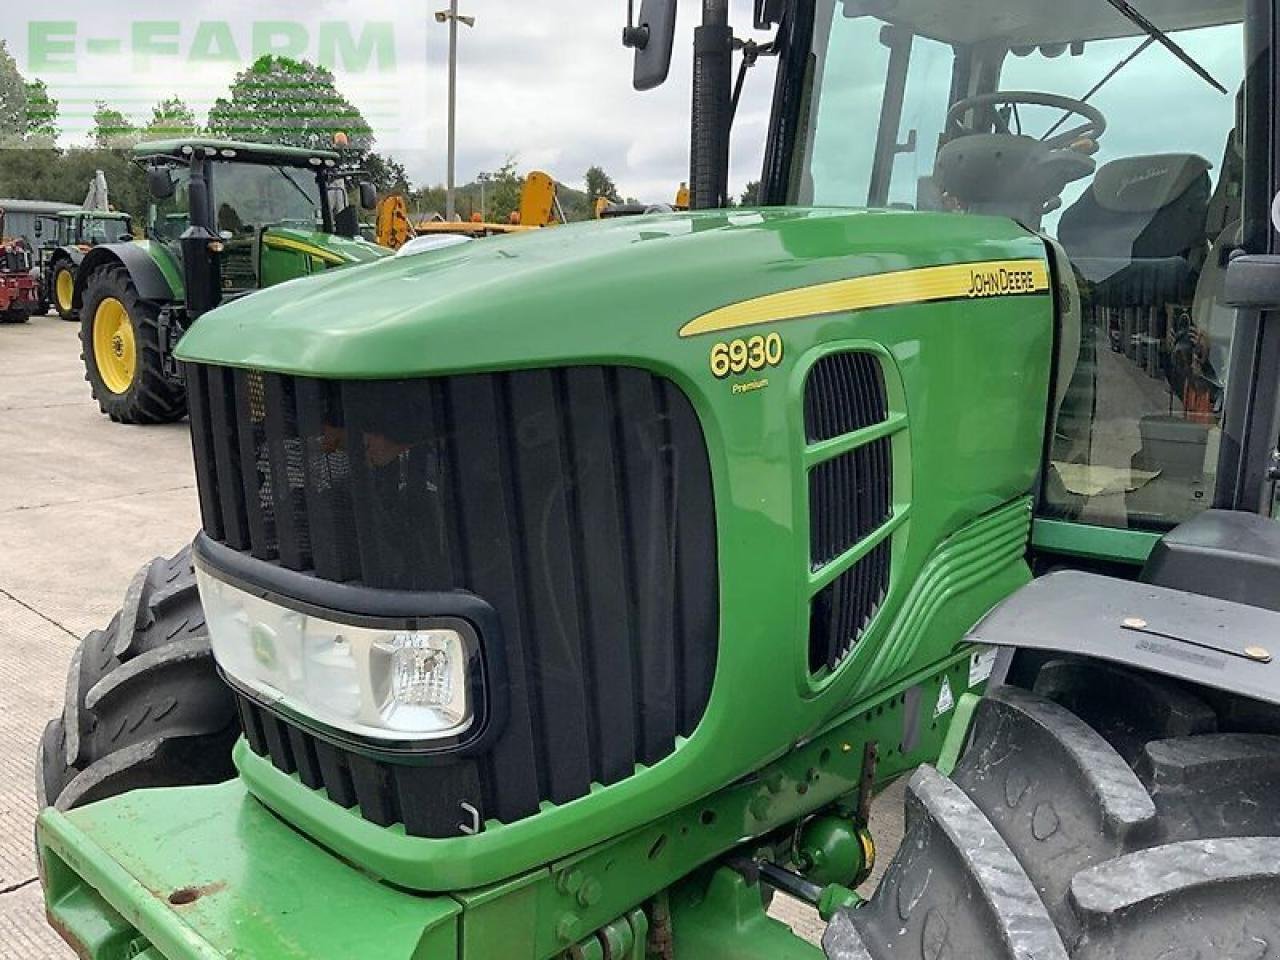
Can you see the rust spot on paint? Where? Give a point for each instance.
(184, 896)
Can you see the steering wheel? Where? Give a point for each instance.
(1095, 126)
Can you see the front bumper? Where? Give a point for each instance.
(169, 874)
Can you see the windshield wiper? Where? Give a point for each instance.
(294, 183)
(1066, 114)
(1155, 33)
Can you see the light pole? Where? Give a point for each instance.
(453, 18)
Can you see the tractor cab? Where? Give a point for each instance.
(268, 213)
(1118, 137)
(88, 228)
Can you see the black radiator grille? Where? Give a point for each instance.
(844, 392)
(841, 612)
(849, 497)
(577, 502)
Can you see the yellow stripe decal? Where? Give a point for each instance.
(958, 281)
(284, 243)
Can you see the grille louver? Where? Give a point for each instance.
(577, 502)
(844, 392)
(850, 498)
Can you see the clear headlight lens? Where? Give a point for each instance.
(389, 684)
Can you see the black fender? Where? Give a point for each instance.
(74, 254)
(144, 272)
(1221, 644)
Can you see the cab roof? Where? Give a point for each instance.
(1035, 22)
(243, 150)
(97, 214)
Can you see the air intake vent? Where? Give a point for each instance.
(840, 613)
(850, 500)
(845, 392)
(849, 497)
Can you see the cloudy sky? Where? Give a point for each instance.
(547, 82)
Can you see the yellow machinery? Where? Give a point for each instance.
(394, 228)
(539, 207)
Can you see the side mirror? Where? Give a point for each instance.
(160, 183)
(368, 195)
(653, 38)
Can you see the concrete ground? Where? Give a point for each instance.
(83, 504)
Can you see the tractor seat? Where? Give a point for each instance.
(1137, 235)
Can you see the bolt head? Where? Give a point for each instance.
(567, 928)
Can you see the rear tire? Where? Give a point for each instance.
(1080, 825)
(145, 706)
(123, 352)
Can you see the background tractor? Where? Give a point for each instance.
(19, 299)
(530, 618)
(74, 234)
(227, 219)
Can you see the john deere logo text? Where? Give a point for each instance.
(1002, 282)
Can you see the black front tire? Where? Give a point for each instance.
(151, 396)
(1105, 815)
(145, 706)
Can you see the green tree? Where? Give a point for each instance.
(387, 174)
(280, 100)
(42, 114)
(600, 184)
(171, 119)
(501, 192)
(28, 115)
(751, 195)
(112, 130)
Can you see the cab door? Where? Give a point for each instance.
(1163, 413)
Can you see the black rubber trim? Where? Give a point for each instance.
(379, 609)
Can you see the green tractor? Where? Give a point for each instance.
(226, 219)
(75, 234)
(571, 594)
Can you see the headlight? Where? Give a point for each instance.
(394, 683)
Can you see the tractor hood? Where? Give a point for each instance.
(614, 291)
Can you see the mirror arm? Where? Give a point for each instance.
(634, 37)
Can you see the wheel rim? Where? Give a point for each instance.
(65, 288)
(114, 349)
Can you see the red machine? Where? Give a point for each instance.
(19, 293)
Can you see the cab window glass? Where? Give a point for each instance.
(249, 197)
(1075, 122)
(170, 218)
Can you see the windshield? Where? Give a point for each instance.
(1110, 134)
(248, 197)
(103, 229)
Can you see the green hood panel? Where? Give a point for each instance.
(610, 291)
